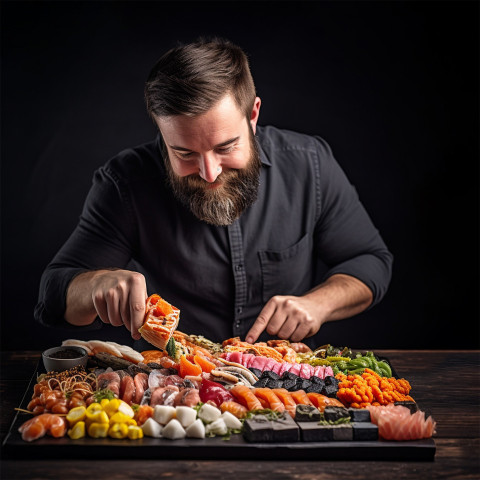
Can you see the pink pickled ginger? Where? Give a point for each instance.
(395, 422)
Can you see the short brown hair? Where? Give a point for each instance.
(190, 79)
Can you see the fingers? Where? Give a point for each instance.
(136, 305)
(285, 317)
(262, 321)
(119, 299)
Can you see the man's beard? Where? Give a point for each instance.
(222, 205)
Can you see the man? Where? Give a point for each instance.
(229, 221)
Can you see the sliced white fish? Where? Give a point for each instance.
(128, 353)
(98, 346)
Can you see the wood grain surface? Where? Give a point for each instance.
(446, 384)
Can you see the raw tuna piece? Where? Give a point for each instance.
(215, 392)
(259, 362)
(319, 371)
(295, 368)
(329, 372)
(306, 370)
(284, 367)
(276, 368)
(235, 357)
(247, 359)
(270, 364)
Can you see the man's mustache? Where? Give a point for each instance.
(196, 181)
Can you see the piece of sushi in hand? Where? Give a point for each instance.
(161, 319)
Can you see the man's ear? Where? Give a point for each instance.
(255, 113)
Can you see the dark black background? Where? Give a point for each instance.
(392, 86)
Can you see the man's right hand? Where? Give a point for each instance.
(116, 296)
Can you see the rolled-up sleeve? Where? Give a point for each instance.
(345, 236)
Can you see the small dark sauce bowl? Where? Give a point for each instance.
(52, 362)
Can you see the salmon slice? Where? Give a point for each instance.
(234, 408)
(284, 395)
(246, 397)
(264, 402)
(40, 425)
(127, 389)
(57, 426)
(152, 356)
(161, 319)
(322, 401)
(301, 398)
(141, 384)
(273, 401)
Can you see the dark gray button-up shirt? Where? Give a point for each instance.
(306, 225)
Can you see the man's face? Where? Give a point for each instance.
(212, 160)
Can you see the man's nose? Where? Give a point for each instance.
(209, 167)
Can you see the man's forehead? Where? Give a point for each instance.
(220, 124)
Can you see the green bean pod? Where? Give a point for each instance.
(385, 367)
(357, 363)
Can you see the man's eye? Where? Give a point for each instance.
(225, 149)
(184, 155)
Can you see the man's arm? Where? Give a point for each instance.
(340, 296)
(115, 296)
(346, 241)
(79, 284)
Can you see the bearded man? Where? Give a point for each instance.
(251, 231)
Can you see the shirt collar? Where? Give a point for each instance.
(263, 156)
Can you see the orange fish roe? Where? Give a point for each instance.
(371, 389)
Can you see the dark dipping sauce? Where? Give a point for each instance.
(67, 353)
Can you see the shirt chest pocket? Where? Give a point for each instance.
(288, 271)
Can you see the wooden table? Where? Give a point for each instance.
(444, 383)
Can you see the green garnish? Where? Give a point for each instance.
(336, 422)
(268, 412)
(171, 348)
(99, 395)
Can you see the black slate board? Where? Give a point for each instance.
(210, 448)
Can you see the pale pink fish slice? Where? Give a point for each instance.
(98, 346)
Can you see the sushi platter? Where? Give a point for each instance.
(236, 447)
(191, 398)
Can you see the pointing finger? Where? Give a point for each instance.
(261, 322)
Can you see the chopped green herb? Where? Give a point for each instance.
(99, 395)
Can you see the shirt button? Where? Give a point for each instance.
(238, 267)
(239, 310)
